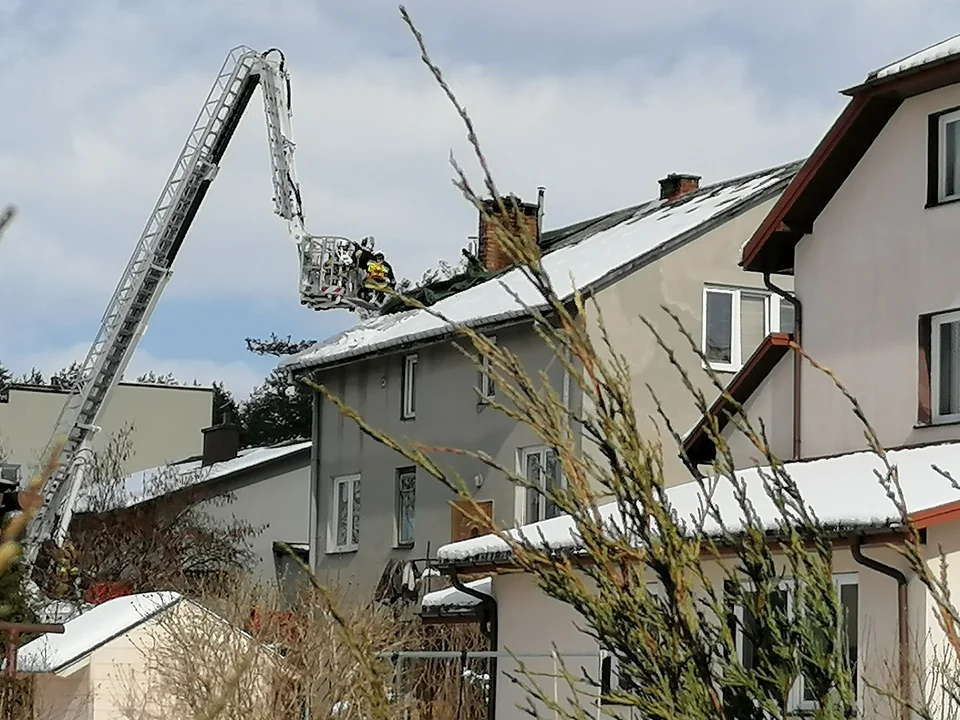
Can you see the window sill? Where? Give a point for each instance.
(407, 418)
(936, 424)
(403, 546)
(346, 550)
(722, 367)
(938, 203)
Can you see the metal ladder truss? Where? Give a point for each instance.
(139, 289)
(327, 280)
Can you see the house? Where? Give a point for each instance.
(867, 230)
(121, 658)
(373, 512)
(166, 422)
(267, 488)
(872, 579)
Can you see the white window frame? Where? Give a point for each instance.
(408, 398)
(520, 497)
(487, 387)
(399, 541)
(654, 588)
(349, 546)
(936, 322)
(942, 123)
(795, 699)
(772, 303)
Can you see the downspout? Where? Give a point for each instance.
(490, 627)
(797, 359)
(314, 521)
(902, 617)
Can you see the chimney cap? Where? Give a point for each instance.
(682, 176)
(676, 184)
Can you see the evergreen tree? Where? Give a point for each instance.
(66, 378)
(224, 404)
(153, 379)
(277, 410)
(6, 377)
(34, 377)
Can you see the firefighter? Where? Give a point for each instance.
(379, 276)
(361, 256)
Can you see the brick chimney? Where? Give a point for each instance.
(220, 442)
(490, 252)
(676, 184)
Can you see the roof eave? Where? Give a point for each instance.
(871, 105)
(698, 447)
(771, 247)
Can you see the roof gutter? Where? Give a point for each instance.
(491, 629)
(903, 627)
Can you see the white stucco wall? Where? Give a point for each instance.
(529, 621)
(877, 259)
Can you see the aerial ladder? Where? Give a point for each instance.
(329, 275)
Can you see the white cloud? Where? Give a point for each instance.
(106, 91)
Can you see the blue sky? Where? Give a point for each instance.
(596, 104)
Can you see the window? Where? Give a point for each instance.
(345, 530)
(610, 680)
(10, 473)
(735, 322)
(944, 357)
(406, 505)
(848, 591)
(408, 388)
(540, 466)
(944, 171)
(487, 387)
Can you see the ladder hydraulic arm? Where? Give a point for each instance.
(327, 279)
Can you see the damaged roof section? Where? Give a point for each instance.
(588, 255)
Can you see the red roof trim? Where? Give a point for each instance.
(872, 104)
(698, 446)
(774, 221)
(932, 517)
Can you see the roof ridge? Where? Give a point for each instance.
(503, 295)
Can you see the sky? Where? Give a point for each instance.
(594, 101)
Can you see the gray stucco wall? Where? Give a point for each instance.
(448, 415)
(276, 494)
(677, 281)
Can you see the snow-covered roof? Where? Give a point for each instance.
(940, 51)
(591, 260)
(91, 630)
(151, 483)
(452, 598)
(843, 491)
